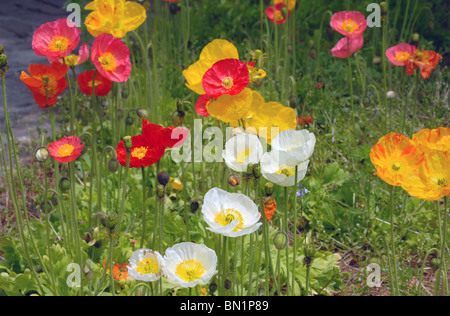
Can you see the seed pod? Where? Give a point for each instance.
(163, 178)
(113, 165)
(257, 171)
(280, 240)
(41, 154)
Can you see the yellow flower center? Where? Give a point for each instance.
(148, 266)
(189, 270)
(59, 44)
(225, 217)
(227, 83)
(349, 26)
(396, 166)
(287, 171)
(96, 83)
(65, 150)
(402, 56)
(108, 62)
(71, 60)
(139, 153)
(241, 156)
(278, 16)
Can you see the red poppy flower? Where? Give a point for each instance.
(305, 120)
(56, 39)
(227, 76)
(341, 50)
(111, 57)
(46, 82)
(170, 137)
(201, 106)
(101, 84)
(275, 13)
(143, 152)
(66, 149)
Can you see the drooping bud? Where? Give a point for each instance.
(110, 221)
(178, 118)
(268, 188)
(142, 113)
(163, 178)
(41, 154)
(113, 165)
(415, 39)
(377, 61)
(125, 93)
(129, 121)
(194, 205)
(384, 7)
(391, 95)
(257, 171)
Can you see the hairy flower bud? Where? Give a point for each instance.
(142, 113)
(280, 240)
(163, 178)
(178, 118)
(234, 180)
(160, 191)
(41, 154)
(113, 165)
(64, 184)
(128, 142)
(194, 205)
(125, 93)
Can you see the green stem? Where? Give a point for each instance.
(295, 232)
(144, 208)
(393, 245)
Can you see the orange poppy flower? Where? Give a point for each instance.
(46, 82)
(431, 181)
(66, 149)
(394, 156)
(425, 61)
(87, 84)
(433, 139)
(120, 271)
(270, 206)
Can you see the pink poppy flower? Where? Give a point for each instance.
(227, 76)
(275, 13)
(55, 39)
(73, 60)
(341, 48)
(399, 54)
(111, 57)
(349, 23)
(66, 149)
(201, 106)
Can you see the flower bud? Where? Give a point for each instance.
(113, 165)
(280, 240)
(234, 180)
(163, 178)
(129, 121)
(41, 154)
(128, 142)
(391, 95)
(194, 205)
(64, 184)
(384, 7)
(377, 61)
(142, 113)
(227, 284)
(313, 53)
(415, 39)
(160, 191)
(285, 12)
(268, 188)
(125, 93)
(257, 171)
(180, 105)
(178, 118)
(212, 288)
(111, 221)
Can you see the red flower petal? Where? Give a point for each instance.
(102, 85)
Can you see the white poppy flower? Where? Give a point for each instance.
(145, 265)
(188, 264)
(275, 168)
(230, 214)
(242, 150)
(298, 144)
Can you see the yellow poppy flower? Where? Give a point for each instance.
(269, 119)
(433, 139)
(217, 50)
(431, 181)
(115, 17)
(232, 108)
